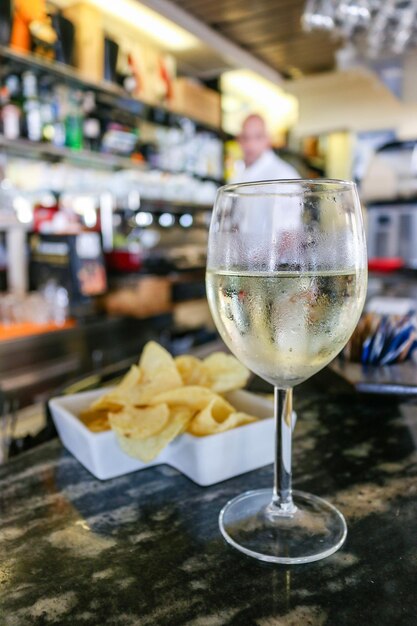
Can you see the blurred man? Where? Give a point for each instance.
(261, 163)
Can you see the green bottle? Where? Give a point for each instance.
(74, 122)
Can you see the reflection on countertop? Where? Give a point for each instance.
(145, 548)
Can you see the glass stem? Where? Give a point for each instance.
(282, 502)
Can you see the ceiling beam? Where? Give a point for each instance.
(235, 55)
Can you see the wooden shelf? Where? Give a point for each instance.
(173, 206)
(24, 148)
(114, 94)
(31, 149)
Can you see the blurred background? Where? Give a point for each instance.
(118, 123)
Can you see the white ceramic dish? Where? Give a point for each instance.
(206, 460)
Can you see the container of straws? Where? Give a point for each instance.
(382, 340)
(381, 356)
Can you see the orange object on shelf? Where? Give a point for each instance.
(25, 329)
(25, 12)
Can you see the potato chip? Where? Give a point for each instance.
(141, 423)
(96, 420)
(109, 402)
(162, 397)
(131, 379)
(215, 412)
(159, 373)
(147, 449)
(193, 397)
(226, 372)
(217, 417)
(193, 371)
(155, 358)
(118, 397)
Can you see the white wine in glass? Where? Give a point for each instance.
(285, 301)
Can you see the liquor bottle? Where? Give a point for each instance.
(74, 122)
(3, 102)
(59, 104)
(47, 114)
(31, 107)
(91, 125)
(11, 108)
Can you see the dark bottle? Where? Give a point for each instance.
(91, 125)
(3, 101)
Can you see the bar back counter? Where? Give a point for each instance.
(52, 357)
(36, 367)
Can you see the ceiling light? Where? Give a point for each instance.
(143, 218)
(186, 220)
(166, 220)
(255, 93)
(158, 28)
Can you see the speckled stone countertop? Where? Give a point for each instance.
(145, 549)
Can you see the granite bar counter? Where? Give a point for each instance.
(145, 549)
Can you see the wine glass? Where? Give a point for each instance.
(286, 283)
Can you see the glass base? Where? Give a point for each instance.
(313, 530)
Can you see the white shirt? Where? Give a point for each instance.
(267, 167)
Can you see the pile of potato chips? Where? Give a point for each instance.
(163, 397)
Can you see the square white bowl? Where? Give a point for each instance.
(206, 460)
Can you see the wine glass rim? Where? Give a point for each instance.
(338, 184)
